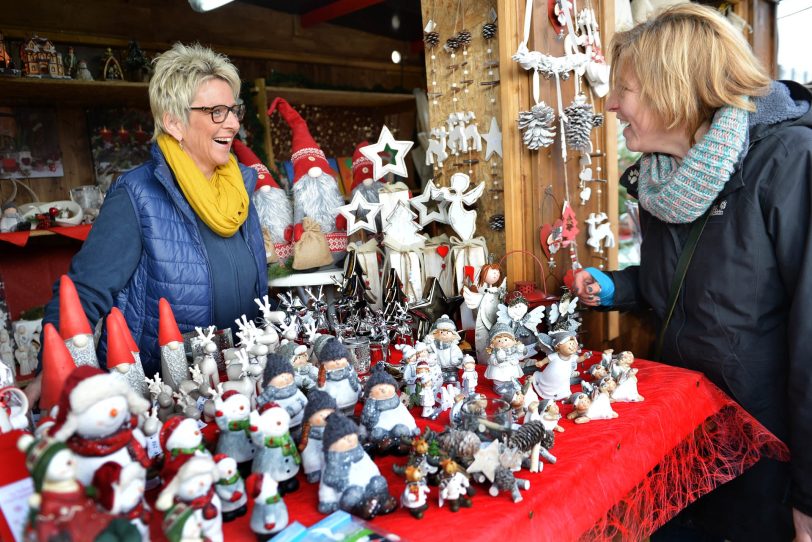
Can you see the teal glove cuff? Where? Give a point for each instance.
(607, 293)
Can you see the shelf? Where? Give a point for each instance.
(342, 98)
(31, 91)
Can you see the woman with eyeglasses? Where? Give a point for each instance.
(182, 225)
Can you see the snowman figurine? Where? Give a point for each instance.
(194, 486)
(120, 491)
(280, 387)
(270, 515)
(181, 524)
(96, 418)
(230, 488)
(320, 404)
(74, 325)
(276, 454)
(336, 375)
(180, 440)
(231, 416)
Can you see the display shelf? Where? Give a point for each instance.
(31, 91)
(342, 98)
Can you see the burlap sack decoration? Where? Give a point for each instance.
(270, 250)
(311, 250)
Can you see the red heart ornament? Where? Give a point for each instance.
(442, 250)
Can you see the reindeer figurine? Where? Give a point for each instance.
(243, 376)
(207, 363)
(436, 153)
(456, 141)
(472, 133)
(600, 232)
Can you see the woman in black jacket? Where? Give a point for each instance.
(727, 164)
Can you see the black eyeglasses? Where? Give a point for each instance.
(220, 112)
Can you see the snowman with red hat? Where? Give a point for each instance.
(194, 487)
(270, 514)
(276, 454)
(97, 419)
(120, 491)
(231, 416)
(174, 367)
(180, 439)
(230, 488)
(74, 325)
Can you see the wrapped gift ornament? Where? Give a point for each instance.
(389, 195)
(466, 257)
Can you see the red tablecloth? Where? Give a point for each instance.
(20, 238)
(628, 475)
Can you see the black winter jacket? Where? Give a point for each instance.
(744, 314)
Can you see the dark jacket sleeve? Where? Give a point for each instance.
(786, 208)
(106, 261)
(627, 290)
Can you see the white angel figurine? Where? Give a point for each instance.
(523, 323)
(489, 290)
(461, 220)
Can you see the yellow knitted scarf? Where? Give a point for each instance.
(222, 201)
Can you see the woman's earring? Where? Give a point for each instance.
(181, 144)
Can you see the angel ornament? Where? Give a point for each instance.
(559, 366)
(485, 297)
(462, 221)
(504, 355)
(524, 324)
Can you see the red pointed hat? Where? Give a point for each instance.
(72, 318)
(127, 334)
(247, 158)
(361, 165)
(118, 348)
(57, 365)
(168, 329)
(305, 152)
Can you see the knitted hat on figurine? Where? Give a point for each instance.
(444, 323)
(85, 387)
(168, 329)
(287, 349)
(379, 376)
(514, 298)
(559, 337)
(407, 350)
(333, 350)
(38, 455)
(307, 156)
(361, 165)
(57, 364)
(318, 400)
(247, 157)
(500, 328)
(338, 426)
(275, 366)
(72, 318)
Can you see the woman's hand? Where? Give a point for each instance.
(33, 390)
(803, 526)
(586, 288)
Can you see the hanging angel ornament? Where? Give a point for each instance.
(461, 220)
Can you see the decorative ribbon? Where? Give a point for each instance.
(473, 253)
(407, 261)
(367, 255)
(392, 187)
(175, 452)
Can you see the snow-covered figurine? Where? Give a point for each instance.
(547, 412)
(351, 481)
(485, 298)
(74, 325)
(560, 365)
(280, 387)
(230, 487)
(96, 418)
(443, 341)
(270, 514)
(336, 375)
(626, 377)
(120, 491)
(194, 487)
(320, 404)
(180, 440)
(305, 373)
(232, 410)
(174, 367)
(523, 323)
(424, 389)
(389, 424)
(470, 376)
(206, 363)
(276, 453)
(454, 485)
(415, 495)
(505, 353)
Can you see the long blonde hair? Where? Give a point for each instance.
(689, 61)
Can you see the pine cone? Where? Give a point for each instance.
(459, 445)
(431, 39)
(464, 38)
(527, 436)
(538, 126)
(451, 44)
(597, 120)
(497, 222)
(578, 126)
(488, 30)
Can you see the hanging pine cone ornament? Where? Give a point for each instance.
(464, 38)
(538, 126)
(597, 120)
(431, 39)
(488, 30)
(497, 222)
(579, 123)
(451, 44)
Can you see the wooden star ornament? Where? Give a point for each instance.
(430, 208)
(360, 214)
(398, 163)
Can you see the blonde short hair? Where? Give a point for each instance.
(690, 61)
(179, 72)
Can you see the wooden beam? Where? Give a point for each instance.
(335, 10)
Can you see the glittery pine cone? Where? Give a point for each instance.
(488, 30)
(597, 120)
(578, 126)
(538, 126)
(497, 222)
(530, 434)
(431, 39)
(451, 44)
(464, 38)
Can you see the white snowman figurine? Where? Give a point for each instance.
(230, 488)
(276, 453)
(74, 325)
(181, 524)
(231, 415)
(120, 491)
(194, 486)
(95, 418)
(270, 515)
(180, 440)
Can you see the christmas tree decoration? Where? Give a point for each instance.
(404, 249)
(387, 143)
(360, 214)
(537, 126)
(493, 140)
(426, 211)
(461, 220)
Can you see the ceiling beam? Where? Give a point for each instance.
(336, 9)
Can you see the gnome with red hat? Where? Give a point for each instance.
(120, 491)
(97, 419)
(180, 440)
(231, 415)
(362, 180)
(272, 203)
(57, 365)
(174, 367)
(230, 487)
(74, 325)
(123, 356)
(277, 454)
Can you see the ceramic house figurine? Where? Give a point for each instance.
(504, 356)
(230, 487)
(454, 485)
(351, 481)
(336, 375)
(626, 377)
(470, 376)
(74, 326)
(270, 515)
(415, 495)
(174, 367)
(485, 298)
(320, 404)
(194, 487)
(232, 410)
(279, 385)
(95, 418)
(389, 424)
(120, 491)
(553, 382)
(424, 390)
(443, 341)
(276, 453)
(180, 440)
(181, 524)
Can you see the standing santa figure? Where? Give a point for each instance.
(362, 180)
(120, 491)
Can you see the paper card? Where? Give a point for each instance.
(201, 424)
(153, 446)
(201, 402)
(14, 505)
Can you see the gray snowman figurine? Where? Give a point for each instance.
(276, 454)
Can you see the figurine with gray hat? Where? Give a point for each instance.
(390, 426)
(505, 355)
(443, 341)
(336, 375)
(280, 386)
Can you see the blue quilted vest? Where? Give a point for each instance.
(174, 263)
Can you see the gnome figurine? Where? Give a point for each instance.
(74, 326)
(336, 375)
(194, 487)
(180, 440)
(122, 353)
(270, 515)
(276, 454)
(389, 424)
(351, 481)
(174, 367)
(280, 387)
(231, 416)
(57, 365)
(442, 342)
(230, 487)
(120, 491)
(320, 404)
(97, 419)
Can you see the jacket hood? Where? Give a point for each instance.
(787, 104)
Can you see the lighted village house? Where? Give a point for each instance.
(40, 59)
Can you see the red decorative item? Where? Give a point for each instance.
(570, 223)
(442, 250)
(106, 134)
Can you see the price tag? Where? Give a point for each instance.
(200, 402)
(153, 446)
(201, 424)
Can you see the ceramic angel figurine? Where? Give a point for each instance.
(351, 481)
(336, 375)
(415, 495)
(232, 410)
(553, 382)
(523, 323)
(591, 404)
(390, 426)
(470, 376)
(270, 514)
(424, 389)
(120, 491)
(280, 387)
(320, 404)
(276, 453)
(230, 487)
(626, 377)
(485, 298)
(454, 485)
(547, 412)
(194, 487)
(443, 341)
(505, 353)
